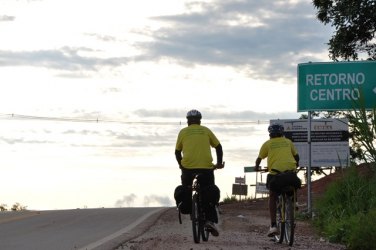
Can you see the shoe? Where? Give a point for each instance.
(211, 228)
(272, 231)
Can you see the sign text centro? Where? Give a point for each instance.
(336, 86)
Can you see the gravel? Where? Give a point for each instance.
(243, 225)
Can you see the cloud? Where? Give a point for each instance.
(5, 18)
(149, 200)
(127, 200)
(157, 127)
(265, 39)
(66, 58)
(22, 140)
(262, 39)
(104, 38)
(156, 200)
(214, 114)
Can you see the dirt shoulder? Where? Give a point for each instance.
(242, 226)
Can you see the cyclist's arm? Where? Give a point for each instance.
(257, 164)
(219, 152)
(178, 156)
(296, 157)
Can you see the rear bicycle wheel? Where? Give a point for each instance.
(280, 220)
(195, 219)
(290, 219)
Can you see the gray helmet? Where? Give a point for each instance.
(276, 129)
(194, 114)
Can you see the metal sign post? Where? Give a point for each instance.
(309, 202)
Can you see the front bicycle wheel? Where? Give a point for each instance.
(195, 219)
(290, 219)
(280, 221)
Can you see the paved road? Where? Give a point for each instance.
(67, 229)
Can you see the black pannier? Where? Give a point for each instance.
(211, 194)
(183, 198)
(281, 180)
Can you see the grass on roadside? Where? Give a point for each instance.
(347, 211)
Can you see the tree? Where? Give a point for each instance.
(363, 128)
(355, 27)
(18, 207)
(3, 207)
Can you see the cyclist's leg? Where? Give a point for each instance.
(210, 190)
(273, 207)
(273, 196)
(206, 183)
(272, 201)
(187, 177)
(212, 195)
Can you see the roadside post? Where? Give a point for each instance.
(260, 186)
(250, 170)
(239, 188)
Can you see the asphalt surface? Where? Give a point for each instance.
(68, 229)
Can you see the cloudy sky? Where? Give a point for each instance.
(93, 93)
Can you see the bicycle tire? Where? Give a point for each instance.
(290, 219)
(280, 221)
(179, 215)
(195, 219)
(204, 232)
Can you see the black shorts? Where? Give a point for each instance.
(269, 178)
(187, 176)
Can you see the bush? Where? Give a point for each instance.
(230, 199)
(347, 211)
(363, 232)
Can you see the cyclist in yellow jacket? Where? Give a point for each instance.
(193, 154)
(282, 156)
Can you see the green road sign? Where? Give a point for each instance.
(336, 86)
(249, 169)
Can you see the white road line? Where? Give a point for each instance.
(120, 232)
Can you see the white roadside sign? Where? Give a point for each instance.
(261, 188)
(329, 141)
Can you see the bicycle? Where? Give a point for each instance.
(286, 213)
(197, 215)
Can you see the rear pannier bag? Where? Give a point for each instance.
(287, 178)
(183, 198)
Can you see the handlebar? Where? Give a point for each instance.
(261, 169)
(220, 166)
(214, 167)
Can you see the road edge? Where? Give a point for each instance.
(132, 231)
